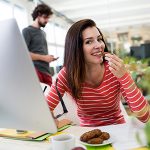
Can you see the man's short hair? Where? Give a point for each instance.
(41, 9)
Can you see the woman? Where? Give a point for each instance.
(95, 83)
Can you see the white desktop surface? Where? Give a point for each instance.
(123, 134)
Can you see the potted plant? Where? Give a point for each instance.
(146, 134)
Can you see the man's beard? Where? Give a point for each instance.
(42, 24)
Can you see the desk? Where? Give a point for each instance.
(123, 135)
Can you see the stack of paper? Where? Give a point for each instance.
(29, 135)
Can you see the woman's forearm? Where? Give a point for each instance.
(135, 99)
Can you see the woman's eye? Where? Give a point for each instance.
(99, 40)
(88, 42)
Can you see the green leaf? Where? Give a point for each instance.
(147, 132)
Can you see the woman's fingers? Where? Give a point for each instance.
(113, 57)
(63, 122)
(116, 65)
(112, 61)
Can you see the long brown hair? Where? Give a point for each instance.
(74, 61)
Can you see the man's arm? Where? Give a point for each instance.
(46, 58)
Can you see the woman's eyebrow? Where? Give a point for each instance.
(100, 36)
(88, 38)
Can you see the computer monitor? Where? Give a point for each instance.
(140, 52)
(22, 102)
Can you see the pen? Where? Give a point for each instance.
(21, 131)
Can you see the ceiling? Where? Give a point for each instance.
(108, 14)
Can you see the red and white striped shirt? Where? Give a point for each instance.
(101, 105)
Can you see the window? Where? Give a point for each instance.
(5, 10)
(21, 16)
(56, 39)
(60, 35)
(50, 33)
(8, 10)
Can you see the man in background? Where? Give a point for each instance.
(36, 42)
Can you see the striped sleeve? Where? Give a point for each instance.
(52, 97)
(134, 97)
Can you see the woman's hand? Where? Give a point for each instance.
(63, 122)
(116, 65)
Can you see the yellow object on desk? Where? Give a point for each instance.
(109, 147)
(49, 137)
(142, 148)
(29, 135)
(106, 147)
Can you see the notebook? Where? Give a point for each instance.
(29, 135)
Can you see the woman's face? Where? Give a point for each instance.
(93, 46)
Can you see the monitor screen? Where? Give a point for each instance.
(22, 103)
(140, 52)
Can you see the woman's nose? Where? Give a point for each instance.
(99, 44)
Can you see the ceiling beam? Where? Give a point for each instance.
(76, 14)
(78, 4)
(123, 24)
